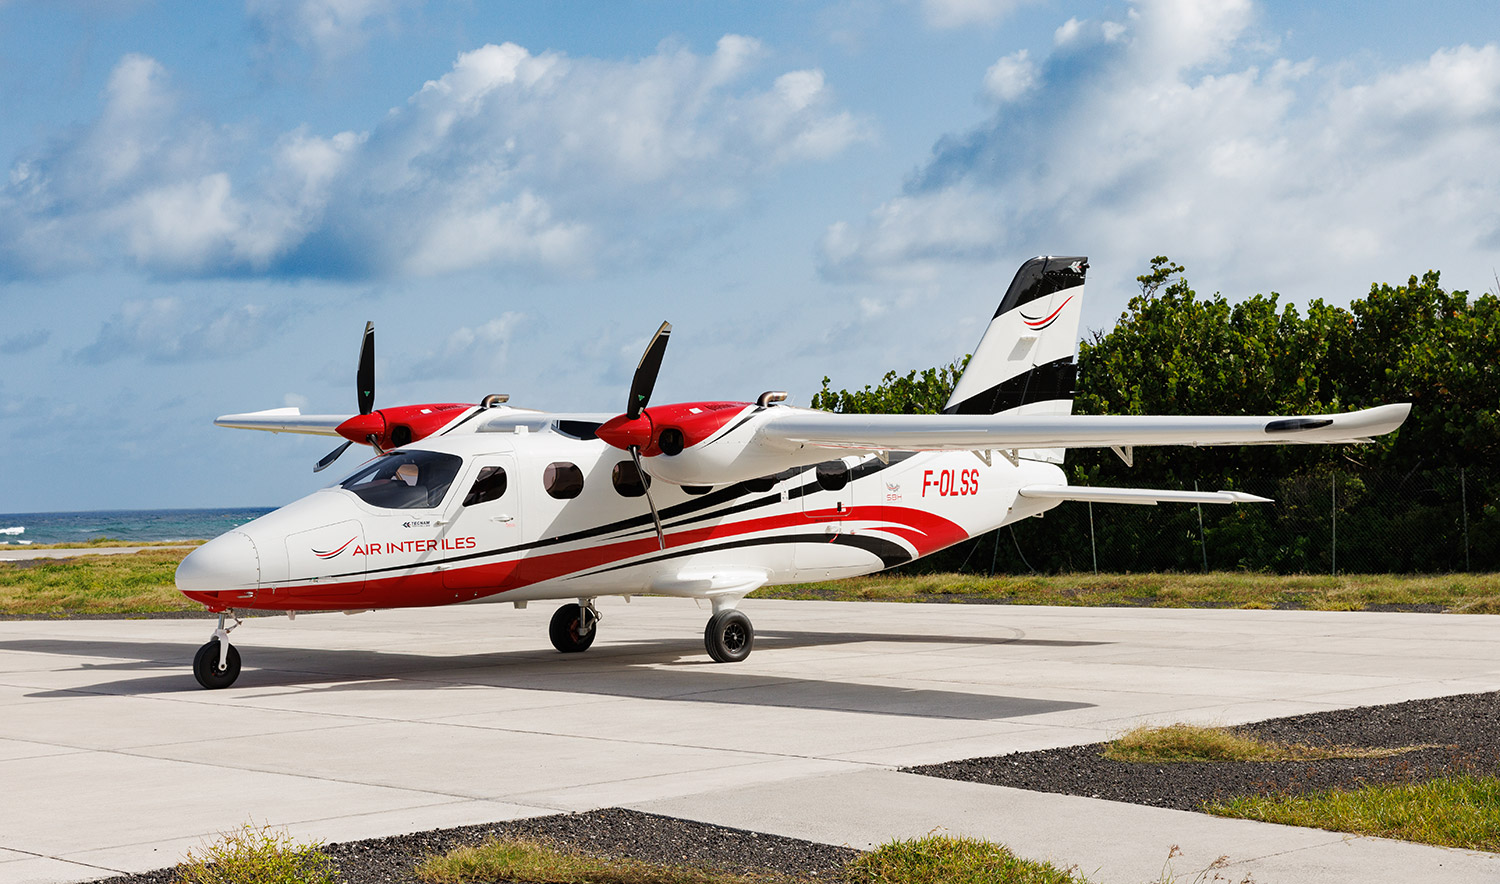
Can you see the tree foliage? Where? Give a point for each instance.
(1174, 351)
(924, 392)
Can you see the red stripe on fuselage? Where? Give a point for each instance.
(925, 531)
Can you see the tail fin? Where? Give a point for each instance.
(1024, 363)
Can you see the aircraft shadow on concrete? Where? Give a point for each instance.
(666, 669)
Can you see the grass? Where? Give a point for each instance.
(935, 859)
(1461, 811)
(141, 583)
(536, 862)
(1190, 743)
(1453, 593)
(96, 542)
(253, 855)
(941, 859)
(132, 583)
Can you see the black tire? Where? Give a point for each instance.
(206, 666)
(564, 630)
(728, 637)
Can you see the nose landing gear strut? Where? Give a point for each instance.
(217, 663)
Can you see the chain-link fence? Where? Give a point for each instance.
(1328, 522)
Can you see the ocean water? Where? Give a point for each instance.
(126, 525)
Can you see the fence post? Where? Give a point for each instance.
(1333, 546)
(1092, 547)
(1463, 492)
(1202, 539)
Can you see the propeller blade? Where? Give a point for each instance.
(645, 373)
(374, 441)
(330, 457)
(364, 378)
(635, 454)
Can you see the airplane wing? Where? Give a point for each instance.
(284, 420)
(958, 432)
(1147, 496)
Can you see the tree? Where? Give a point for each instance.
(1175, 352)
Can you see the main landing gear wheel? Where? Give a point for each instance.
(728, 637)
(209, 672)
(573, 628)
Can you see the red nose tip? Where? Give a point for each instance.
(622, 432)
(362, 426)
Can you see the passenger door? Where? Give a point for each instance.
(487, 517)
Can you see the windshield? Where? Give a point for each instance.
(405, 480)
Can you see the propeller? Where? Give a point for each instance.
(364, 389)
(640, 395)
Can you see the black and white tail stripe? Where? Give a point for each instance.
(1025, 361)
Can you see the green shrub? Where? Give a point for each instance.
(251, 855)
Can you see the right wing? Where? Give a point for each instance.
(1146, 496)
(795, 428)
(284, 420)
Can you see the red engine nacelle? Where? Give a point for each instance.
(402, 425)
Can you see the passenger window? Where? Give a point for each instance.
(833, 475)
(563, 480)
(489, 486)
(628, 481)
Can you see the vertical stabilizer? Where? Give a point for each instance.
(1024, 363)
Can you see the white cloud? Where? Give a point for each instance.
(1171, 131)
(536, 161)
(329, 29)
(171, 330)
(24, 342)
(1010, 77)
(471, 352)
(961, 13)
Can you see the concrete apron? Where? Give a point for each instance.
(112, 759)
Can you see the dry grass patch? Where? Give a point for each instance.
(1189, 743)
(1462, 593)
(252, 855)
(941, 859)
(537, 862)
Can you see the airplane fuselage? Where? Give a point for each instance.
(570, 521)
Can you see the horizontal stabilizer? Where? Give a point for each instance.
(284, 420)
(1146, 496)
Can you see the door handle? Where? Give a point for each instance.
(502, 518)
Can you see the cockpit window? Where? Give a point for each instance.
(405, 480)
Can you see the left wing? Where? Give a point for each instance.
(795, 428)
(284, 420)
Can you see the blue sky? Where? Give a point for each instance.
(204, 202)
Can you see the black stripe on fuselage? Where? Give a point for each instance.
(694, 508)
(889, 552)
(1054, 380)
(1041, 277)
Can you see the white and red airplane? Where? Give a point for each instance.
(704, 500)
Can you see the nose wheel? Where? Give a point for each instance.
(573, 627)
(217, 663)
